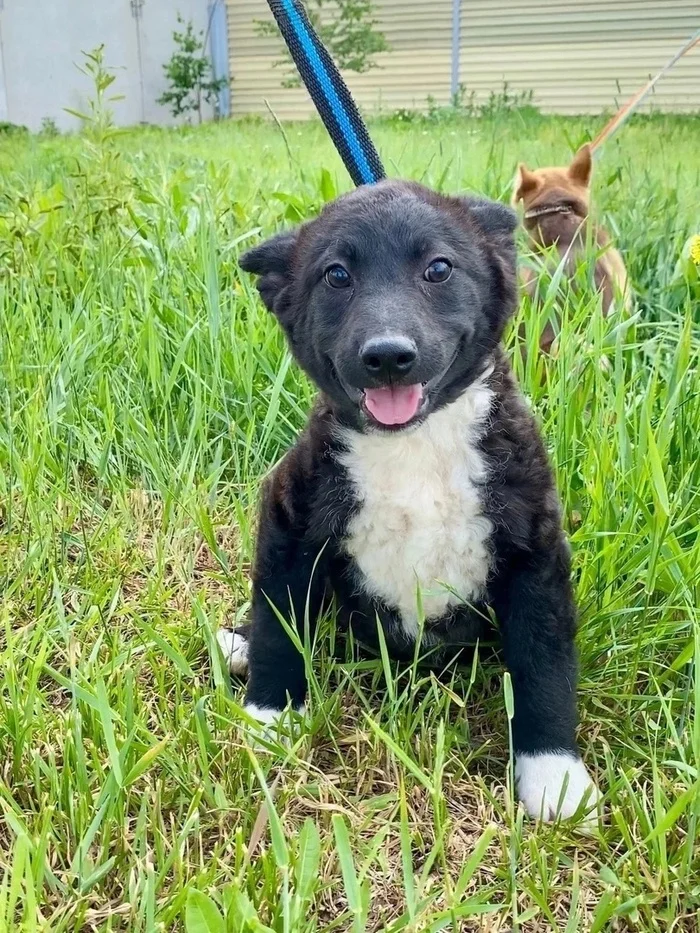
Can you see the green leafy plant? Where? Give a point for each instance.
(464, 105)
(189, 73)
(686, 277)
(49, 127)
(98, 117)
(507, 101)
(12, 129)
(104, 184)
(347, 28)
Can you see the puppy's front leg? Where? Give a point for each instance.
(534, 603)
(288, 580)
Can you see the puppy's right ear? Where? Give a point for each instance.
(272, 262)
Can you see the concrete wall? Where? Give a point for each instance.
(41, 43)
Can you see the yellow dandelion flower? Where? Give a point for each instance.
(695, 249)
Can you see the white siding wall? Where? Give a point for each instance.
(42, 42)
(575, 55)
(581, 56)
(416, 67)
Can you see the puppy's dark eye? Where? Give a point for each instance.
(439, 270)
(337, 277)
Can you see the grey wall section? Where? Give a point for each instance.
(41, 43)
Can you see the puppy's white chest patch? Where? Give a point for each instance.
(420, 522)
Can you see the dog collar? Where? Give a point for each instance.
(542, 211)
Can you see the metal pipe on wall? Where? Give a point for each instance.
(4, 110)
(218, 45)
(136, 12)
(454, 75)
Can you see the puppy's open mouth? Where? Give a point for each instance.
(393, 405)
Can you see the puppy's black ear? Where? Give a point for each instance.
(272, 262)
(497, 225)
(493, 216)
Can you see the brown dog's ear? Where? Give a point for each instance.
(582, 166)
(272, 262)
(525, 183)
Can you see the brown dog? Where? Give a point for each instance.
(557, 204)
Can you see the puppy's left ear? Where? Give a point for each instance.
(492, 216)
(272, 261)
(582, 166)
(496, 224)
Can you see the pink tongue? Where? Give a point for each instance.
(394, 404)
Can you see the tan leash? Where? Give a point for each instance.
(634, 102)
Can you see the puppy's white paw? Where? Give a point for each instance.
(267, 716)
(275, 722)
(234, 648)
(540, 780)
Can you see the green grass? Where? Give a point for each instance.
(145, 393)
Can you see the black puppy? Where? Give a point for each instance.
(420, 468)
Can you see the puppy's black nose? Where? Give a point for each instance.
(388, 357)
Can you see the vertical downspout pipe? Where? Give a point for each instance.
(454, 75)
(218, 46)
(4, 109)
(137, 13)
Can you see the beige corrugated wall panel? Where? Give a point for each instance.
(416, 67)
(579, 57)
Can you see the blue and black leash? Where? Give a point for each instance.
(329, 93)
